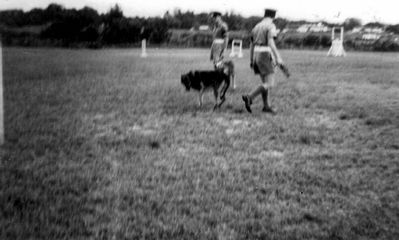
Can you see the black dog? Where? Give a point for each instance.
(204, 80)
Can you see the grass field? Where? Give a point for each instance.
(105, 145)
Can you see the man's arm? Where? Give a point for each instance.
(279, 60)
(251, 53)
(275, 51)
(226, 36)
(211, 54)
(226, 41)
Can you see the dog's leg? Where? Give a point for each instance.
(226, 85)
(222, 98)
(232, 77)
(200, 98)
(201, 93)
(216, 94)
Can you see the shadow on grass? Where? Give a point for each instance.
(186, 103)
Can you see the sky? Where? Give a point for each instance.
(385, 11)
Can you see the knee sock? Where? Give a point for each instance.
(265, 97)
(256, 92)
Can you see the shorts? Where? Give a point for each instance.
(263, 63)
(217, 53)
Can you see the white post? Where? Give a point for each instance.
(232, 54)
(143, 48)
(233, 46)
(240, 51)
(337, 45)
(342, 34)
(1, 97)
(332, 34)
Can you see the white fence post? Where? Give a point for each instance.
(144, 48)
(233, 45)
(337, 45)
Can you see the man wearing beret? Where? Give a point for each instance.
(264, 57)
(220, 39)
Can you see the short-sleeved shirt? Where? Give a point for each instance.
(259, 34)
(217, 49)
(220, 31)
(263, 61)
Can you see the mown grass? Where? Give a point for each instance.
(106, 145)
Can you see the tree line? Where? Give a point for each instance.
(58, 26)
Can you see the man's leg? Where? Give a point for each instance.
(259, 90)
(215, 94)
(262, 89)
(267, 83)
(248, 99)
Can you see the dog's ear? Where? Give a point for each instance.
(226, 71)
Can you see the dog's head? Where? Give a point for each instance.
(186, 80)
(228, 68)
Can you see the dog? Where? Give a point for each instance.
(228, 68)
(201, 81)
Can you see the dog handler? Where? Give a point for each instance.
(220, 39)
(264, 57)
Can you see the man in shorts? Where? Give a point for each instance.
(220, 39)
(264, 57)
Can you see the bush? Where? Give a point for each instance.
(290, 41)
(311, 40)
(57, 26)
(386, 44)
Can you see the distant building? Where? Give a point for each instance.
(312, 27)
(291, 27)
(371, 36)
(370, 33)
(303, 28)
(376, 30)
(204, 28)
(357, 29)
(320, 27)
